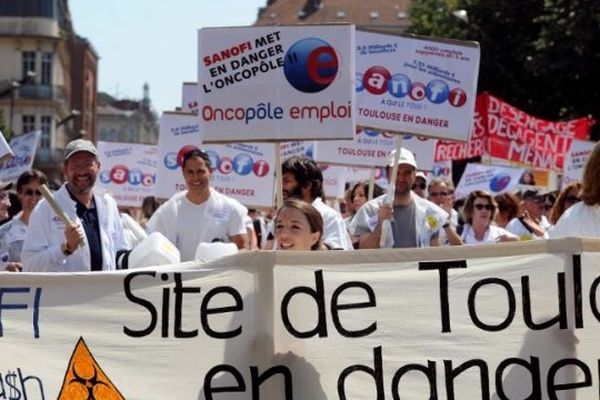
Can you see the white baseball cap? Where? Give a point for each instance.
(406, 157)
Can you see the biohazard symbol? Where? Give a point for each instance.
(85, 380)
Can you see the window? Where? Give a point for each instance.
(28, 123)
(46, 130)
(28, 62)
(46, 78)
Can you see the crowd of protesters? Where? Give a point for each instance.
(417, 212)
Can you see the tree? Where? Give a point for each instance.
(539, 55)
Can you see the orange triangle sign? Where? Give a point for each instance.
(85, 380)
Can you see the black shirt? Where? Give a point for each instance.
(91, 226)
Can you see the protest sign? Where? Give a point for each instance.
(189, 97)
(575, 160)
(297, 149)
(128, 171)
(369, 148)
(516, 320)
(276, 83)
(243, 171)
(178, 134)
(415, 84)
(334, 180)
(5, 151)
(493, 179)
(23, 148)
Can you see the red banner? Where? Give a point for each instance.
(503, 131)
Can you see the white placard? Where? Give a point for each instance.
(5, 151)
(244, 171)
(369, 148)
(276, 83)
(334, 180)
(575, 160)
(189, 97)
(23, 149)
(493, 179)
(416, 85)
(128, 171)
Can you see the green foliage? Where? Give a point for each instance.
(539, 55)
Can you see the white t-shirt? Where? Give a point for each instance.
(335, 233)
(187, 224)
(578, 220)
(491, 235)
(515, 226)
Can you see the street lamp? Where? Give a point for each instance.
(12, 88)
(74, 113)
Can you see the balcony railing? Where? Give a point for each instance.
(43, 92)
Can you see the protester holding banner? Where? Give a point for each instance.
(532, 224)
(303, 179)
(583, 218)
(94, 241)
(12, 233)
(480, 208)
(298, 227)
(416, 222)
(199, 214)
(569, 196)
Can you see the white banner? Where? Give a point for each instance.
(416, 85)
(297, 149)
(500, 321)
(5, 151)
(23, 148)
(128, 171)
(276, 83)
(189, 97)
(423, 148)
(493, 179)
(442, 170)
(575, 160)
(244, 171)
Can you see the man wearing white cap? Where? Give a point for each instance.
(415, 222)
(52, 246)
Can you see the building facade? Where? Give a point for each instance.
(46, 74)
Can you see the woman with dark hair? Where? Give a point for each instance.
(479, 211)
(509, 207)
(359, 194)
(12, 233)
(583, 218)
(567, 197)
(298, 226)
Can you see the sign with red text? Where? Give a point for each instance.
(575, 160)
(276, 83)
(23, 148)
(493, 179)
(244, 171)
(502, 321)
(189, 97)
(416, 84)
(128, 171)
(334, 180)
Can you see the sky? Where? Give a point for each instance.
(152, 41)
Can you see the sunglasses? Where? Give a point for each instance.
(572, 199)
(421, 186)
(480, 207)
(435, 194)
(31, 192)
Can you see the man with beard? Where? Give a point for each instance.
(52, 246)
(415, 222)
(302, 178)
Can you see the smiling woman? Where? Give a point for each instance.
(298, 226)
